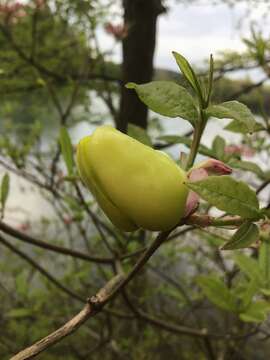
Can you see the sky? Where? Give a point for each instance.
(196, 31)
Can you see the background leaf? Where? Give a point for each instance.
(233, 110)
(246, 235)
(67, 150)
(139, 134)
(217, 292)
(246, 165)
(175, 139)
(249, 266)
(238, 127)
(4, 192)
(218, 147)
(264, 261)
(256, 312)
(20, 313)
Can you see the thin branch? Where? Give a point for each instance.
(262, 186)
(95, 220)
(246, 89)
(40, 269)
(53, 191)
(56, 336)
(55, 248)
(202, 220)
(94, 304)
(181, 232)
(29, 177)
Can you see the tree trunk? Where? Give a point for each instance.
(140, 17)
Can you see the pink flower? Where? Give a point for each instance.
(265, 226)
(25, 226)
(67, 220)
(12, 12)
(40, 3)
(239, 150)
(118, 31)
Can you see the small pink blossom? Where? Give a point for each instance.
(25, 226)
(118, 31)
(239, 150)
(67, 220)
(40, 3)
(265, 226)
(12, 12)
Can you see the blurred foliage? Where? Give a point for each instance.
(53, 75)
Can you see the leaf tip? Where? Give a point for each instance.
(131, 85)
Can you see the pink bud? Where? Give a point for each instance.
(265, 226)
(200, 172)
(118, 31)
(197, 174)
(214, 167)
(40, 3)
(193, 198)
(25, 226)
(68, 220)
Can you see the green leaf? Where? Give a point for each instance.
(256, 312)
(233, 110)
(265, 292)
(246, 235)
(41, 82)
(139, 134)
(244, 291)
(167, 98)
(188, 72)
(249, 292)
(246, 165)
(212, 239)
(249, 266)
(216, 291)
(67, 150)
(4, 191)
(174, 139)
(228, 194)
(238, 127)
(266, 212)
(264, 261)
(22, 285)
(218, 147)
(210, 79)
(20, 313)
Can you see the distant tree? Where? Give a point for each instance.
(140, 18)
